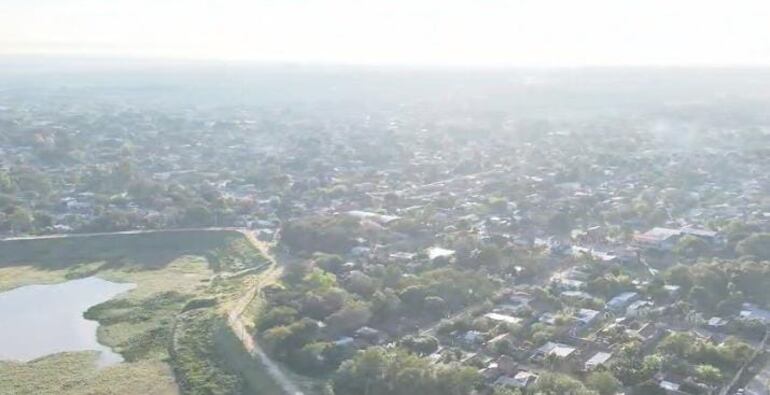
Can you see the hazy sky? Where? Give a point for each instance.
(455, 32)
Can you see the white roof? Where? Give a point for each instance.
(667, 385)
(659, 234)
(503, 318)
(598, 359)
(436, 252)
(558, 349)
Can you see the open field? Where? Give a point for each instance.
(140, 323)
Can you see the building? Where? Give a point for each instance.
(522, 380)
(619, 303)
(497, 317)
(661, 239)
(558, 350)
(639, 308)
(586, 317)
(664, 239)
(597, 360)
(751, 312)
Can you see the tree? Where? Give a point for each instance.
(560, 223)
(709, 374)
(678, 343)
(381, 371)
(603, 382)
(352, 316)
(559, 384)
(499, 390)
(20, 220)
(490, 256)
(435, 306)
(279, 315)
(329, 262)
(385, 305)
(691, 247)
(649, 387)
(421, 345)
(6, 182)
(757, 245)
(285, 339)
(197, 216)
(360, 283)
(680, 275)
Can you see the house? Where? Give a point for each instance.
(558, 350)
(597, 360)
(366, 215)
(717, 323)
(522, 379)
(438, 252)
(672, 290)
(517, 303)
(570, 280)
(639, 308)
(664, 239)
(401, 256)
(586, 317)
(506, 364)
(648, 334)
(502, 318)
(548, 318)
(473, 337)
(344, 341)
(751, 312)
(575, 296)
(369, 335)
(661, 239)
(707, 235)
(619, 303)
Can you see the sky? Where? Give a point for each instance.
(397, 32)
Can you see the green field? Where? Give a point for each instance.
(172, 310)
(74, 374)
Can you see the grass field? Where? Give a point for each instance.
(170, 270)
(74, 374)
(149, 250)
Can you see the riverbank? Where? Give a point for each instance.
(188, 281)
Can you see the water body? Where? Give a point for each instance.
(39, 320)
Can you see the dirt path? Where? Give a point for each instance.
(234, 315)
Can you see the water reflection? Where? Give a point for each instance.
(38, 320)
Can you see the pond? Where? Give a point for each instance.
(39, 320)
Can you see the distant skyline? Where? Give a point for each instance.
(397, 32)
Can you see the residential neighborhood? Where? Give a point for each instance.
(440, 243)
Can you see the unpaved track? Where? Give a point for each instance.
(234, 315)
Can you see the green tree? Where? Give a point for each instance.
(708, 374)
(559, 384)
(603, 382)
(691, 247)
(352, 316)
(757, 245)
